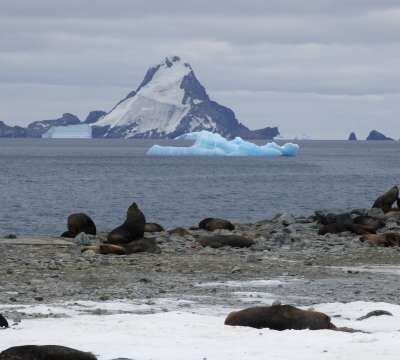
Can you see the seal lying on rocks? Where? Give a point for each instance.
(132, 229)
(3, 322)
(386, 201)
(211, 224)
(385, 240)
(78, 223)
(142, 245)
(279, 317)
(45, 352)
(217, 241)
(153, 227)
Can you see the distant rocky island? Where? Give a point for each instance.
(376, 135)
(353, 136)
(169, 102)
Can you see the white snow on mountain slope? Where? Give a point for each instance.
(157, 105)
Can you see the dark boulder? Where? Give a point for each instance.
(280, 317)
(153, 227)
(211, 224)
(79, 223)
(132, 229)
(3, 322)
(44, 352)
(218, 241)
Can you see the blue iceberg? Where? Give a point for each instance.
(211, 144)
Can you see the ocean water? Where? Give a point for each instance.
(42, 181)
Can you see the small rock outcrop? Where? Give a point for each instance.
(211, 224)
(45, 352)
(132, 229)
(79, 223)
(376, 135)
(352, 137)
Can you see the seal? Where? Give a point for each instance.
(137, 246)
(386, 201)
(44, 352)
(211, 224)
(153, 227)
(280, 317)
(389, 239)
(78, 223)
(217, 241)
(3, 322)
(132, 229)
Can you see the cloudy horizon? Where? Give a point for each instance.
(317, 67)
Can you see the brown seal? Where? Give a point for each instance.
(217, 241)
(384, 240)
(280, 317)
(44, 352)
(132, 229)
(137, 246)
(78, 223)
(386, 201)
(211, 224)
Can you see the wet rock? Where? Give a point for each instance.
(251, 258)
(375, 313)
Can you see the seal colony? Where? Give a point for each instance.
(214, 247)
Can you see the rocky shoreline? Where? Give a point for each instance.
(311, 268)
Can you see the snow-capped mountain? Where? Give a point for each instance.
(170, 102)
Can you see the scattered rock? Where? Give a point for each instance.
(132, 229)
(83, 239)
(251, 258)
(79, 223)
(45, 352)
(375, 313)
(211, 224)
(179, 231)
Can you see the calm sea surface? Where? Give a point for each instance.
(43, 181)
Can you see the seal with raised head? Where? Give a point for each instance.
(132, 229)
(3, 322)
(386, 201)
(44, 352)
(211, 224)
(280, 317)
(78, 223)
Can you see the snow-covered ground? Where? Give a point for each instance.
(161, 331)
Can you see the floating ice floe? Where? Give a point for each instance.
(212, 144)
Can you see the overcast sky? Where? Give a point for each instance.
(316, 67)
